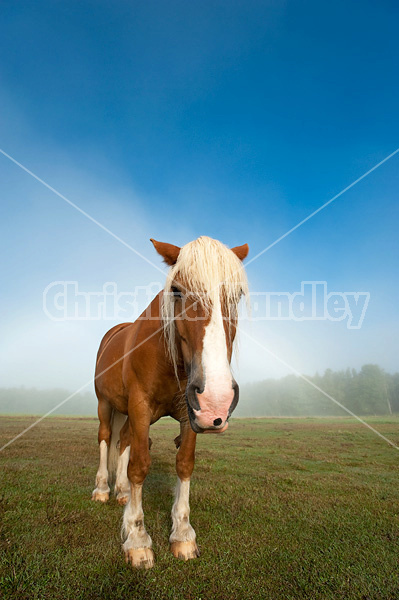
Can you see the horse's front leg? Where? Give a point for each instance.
(182, 538)
(137, 546)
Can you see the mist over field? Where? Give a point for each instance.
(369, 391)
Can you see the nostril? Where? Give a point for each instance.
(217, 422)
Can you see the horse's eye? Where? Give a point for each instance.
(176, 292)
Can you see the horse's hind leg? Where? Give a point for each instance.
(122, 485)
(101, 491)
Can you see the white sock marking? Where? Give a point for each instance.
(122, 485)
(133, 521)
(102, 473)
(181, 528)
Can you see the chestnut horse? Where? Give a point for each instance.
(174, 360)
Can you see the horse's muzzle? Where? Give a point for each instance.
(193, 404)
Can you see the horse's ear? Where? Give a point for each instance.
(241, 251)
(169, 252)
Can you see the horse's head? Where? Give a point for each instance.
(199, 311)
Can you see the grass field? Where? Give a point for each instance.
(283, 508)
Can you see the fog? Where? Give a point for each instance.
(369, 391)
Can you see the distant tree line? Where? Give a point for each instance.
(31, 401)
(370, 391)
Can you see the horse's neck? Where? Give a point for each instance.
(153, 312)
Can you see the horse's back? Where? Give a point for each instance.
(107, 338)
(108, 376)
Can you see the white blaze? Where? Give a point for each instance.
(218, 393)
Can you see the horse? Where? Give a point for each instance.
(174, 360)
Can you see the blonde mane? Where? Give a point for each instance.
(211, 272)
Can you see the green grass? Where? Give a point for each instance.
(283, 508)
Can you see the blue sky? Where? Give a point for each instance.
(173, 120)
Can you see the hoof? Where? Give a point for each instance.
(140, 558)
(122, 498)
(100, 496)
(184, 550)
